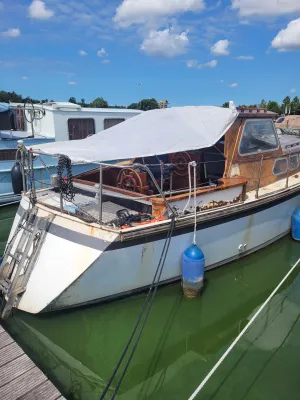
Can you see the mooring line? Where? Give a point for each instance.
(213, 370)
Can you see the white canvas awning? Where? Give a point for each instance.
(150, 133)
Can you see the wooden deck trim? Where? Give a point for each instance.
(20, 378)
(226, 183)
(207, 216)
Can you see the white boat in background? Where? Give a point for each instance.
(36, 124)
(101, 235)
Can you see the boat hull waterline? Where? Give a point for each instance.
(80, 263)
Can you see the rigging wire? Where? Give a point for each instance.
(144, 310)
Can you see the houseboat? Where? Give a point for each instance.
(220, 174)
(36, 124)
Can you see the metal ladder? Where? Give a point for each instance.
(20, 257)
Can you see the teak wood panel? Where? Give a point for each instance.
(249, 166)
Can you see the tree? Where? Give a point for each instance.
(274, 107)
(134, 106)
(99, 102)
(7, 97)
(72, 100)
(82, 103)
(263, 104)
(148, 104)
(295, 105)
(115, 106)
(226, 104)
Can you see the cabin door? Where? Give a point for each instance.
(80, 128)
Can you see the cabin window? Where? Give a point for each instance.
(110, 122)
(280, 120)
(293, 162)
(80, 128)
(258, 136)
(280, 166)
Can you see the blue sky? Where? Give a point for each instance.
(190, 52)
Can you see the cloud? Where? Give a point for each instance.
(246, 58)
(247, 8)
(144, 11)
(13, 32)
(72, 83)
(38, 10)
(220, 48)
(292, 90)
(210, 64)
(195, 64)
(105, 61)
(101, 53)
(234, 85)
(82, 53)
(25, 78)
(165, 43)
(192, 64)
(288, 38)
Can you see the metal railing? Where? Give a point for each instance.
(287, 172)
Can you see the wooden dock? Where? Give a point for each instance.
(20, 378)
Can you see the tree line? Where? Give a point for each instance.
(288, 106)
(99, 102)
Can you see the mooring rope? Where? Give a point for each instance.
(216, 366)
(145, 311)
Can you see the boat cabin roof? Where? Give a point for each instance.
(69, 107)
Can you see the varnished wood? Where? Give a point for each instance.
(224, 183)
(249, 165)
(232, 138)
(20, 378)
(207, 216)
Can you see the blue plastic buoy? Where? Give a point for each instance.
(193, 263)
(296, 224)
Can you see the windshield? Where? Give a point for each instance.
(258, 136)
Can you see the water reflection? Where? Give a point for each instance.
(183, 338)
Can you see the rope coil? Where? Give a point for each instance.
(65, 183)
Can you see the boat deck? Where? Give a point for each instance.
(88, 205)
(20, 378)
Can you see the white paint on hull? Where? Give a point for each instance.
(60, 262)
(115, 272)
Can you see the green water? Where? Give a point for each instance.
(183, 339)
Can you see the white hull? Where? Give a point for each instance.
(80, 263)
